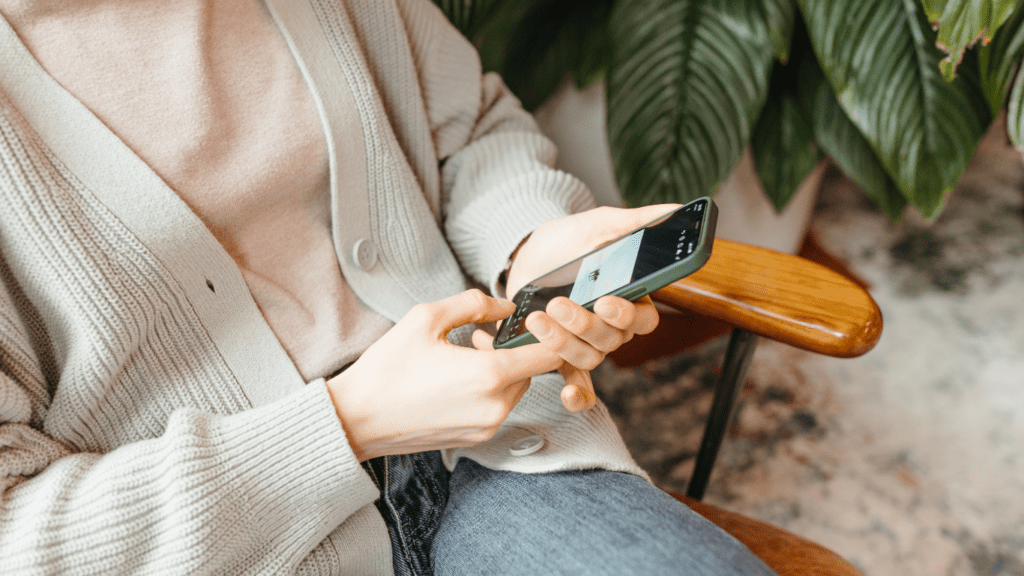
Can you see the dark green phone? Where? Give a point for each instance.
(631, 266)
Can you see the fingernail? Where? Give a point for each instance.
(580, 399)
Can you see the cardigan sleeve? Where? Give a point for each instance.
(497, 177)
(252, 492)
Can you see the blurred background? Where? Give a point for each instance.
(908, 459)
(880, 138)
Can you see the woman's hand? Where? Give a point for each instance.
(579, 337)
(413, 391)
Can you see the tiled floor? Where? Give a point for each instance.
(910, 459)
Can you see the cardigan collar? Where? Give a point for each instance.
(166, 226)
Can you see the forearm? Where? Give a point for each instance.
(502, 188)
(497, 175)
(241, 493)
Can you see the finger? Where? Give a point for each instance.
(588, 326)
(639, 317)
(482, 340)
(622, 220)
(463, 308)
(637, 217)
(578, 394)
(524, 362)
(516, 391)
(565, 344)
(647, 316)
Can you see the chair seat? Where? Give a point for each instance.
(785, 552)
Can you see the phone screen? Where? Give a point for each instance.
(629, 259)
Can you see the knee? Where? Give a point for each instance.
(595, 522)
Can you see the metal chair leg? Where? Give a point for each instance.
(737, 359)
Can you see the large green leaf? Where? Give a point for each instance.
(1015, 111)
(933, 9)
(844, 143)
(880, 58)
(491, 35)
(780, 15)
(964, 22)
(687, 81)
(553, 40)
(783, 140)
(468, 15)
(999, 59)
(784, 148)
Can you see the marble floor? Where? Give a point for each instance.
(910, 459)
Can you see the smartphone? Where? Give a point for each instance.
(631, 266)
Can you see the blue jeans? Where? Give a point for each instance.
(482, 521)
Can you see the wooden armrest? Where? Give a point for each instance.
(785, 552)
(782, 297)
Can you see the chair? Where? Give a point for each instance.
(763, 293)
(785, 552)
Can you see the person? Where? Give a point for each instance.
(237, 249)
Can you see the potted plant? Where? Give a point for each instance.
(896, 92)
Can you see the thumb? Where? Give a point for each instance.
(637, 217)
(578, 394)
(482, 340)
(471, 306)
(615, 223)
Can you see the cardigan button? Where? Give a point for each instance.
(364, 253)
(527, 445)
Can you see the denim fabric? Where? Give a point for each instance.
(590, 522)
(414, 495)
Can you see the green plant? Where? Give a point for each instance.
(897, 92)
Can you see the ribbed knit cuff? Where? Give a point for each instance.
(293, 462)
(490, 228)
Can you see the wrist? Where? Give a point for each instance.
(346, 410)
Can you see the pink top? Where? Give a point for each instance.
(206, 92)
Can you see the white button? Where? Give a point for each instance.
(527, 445)
(364, 253)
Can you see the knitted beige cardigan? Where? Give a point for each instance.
(150, 422)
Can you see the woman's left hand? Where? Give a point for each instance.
(580, 337)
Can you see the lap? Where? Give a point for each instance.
(576, 522)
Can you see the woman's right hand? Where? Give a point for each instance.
(413, 391)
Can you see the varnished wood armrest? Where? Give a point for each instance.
(785, 552)
(782, 297)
